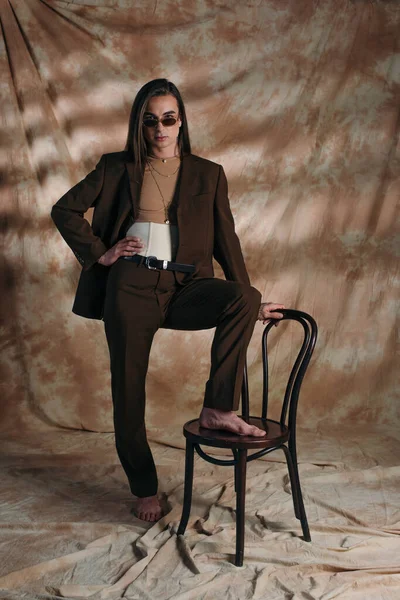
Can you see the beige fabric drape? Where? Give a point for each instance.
(299, 101)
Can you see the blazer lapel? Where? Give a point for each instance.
(135, 185)
(187, 185)
(129, 195)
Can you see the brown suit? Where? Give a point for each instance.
(205, 223)
(135, 302)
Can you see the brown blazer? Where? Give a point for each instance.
(205, 222)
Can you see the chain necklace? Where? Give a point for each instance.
(166, 220)
(162, 174)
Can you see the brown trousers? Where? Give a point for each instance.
(138, 302)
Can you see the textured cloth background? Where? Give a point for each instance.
(299, 101)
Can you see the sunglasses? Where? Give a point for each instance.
(168, 121)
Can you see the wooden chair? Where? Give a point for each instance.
(280, 435)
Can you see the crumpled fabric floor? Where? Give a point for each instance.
(67, 529)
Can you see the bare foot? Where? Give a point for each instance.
(148, 508)
(213, 418)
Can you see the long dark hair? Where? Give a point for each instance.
(136, 143)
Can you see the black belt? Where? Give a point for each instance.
(152, 262)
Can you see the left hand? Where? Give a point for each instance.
(266, 314)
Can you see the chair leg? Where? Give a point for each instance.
(297, 496)
(302, 511)
(187, 497)
(240, 480)
(235, 456)
(292, 476)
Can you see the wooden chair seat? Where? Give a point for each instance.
(277, 434)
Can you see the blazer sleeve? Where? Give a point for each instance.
(227, 250)
(67, 215)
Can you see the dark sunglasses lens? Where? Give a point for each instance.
(168, 121)
(150, 122)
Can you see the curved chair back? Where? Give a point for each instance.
(296, 375)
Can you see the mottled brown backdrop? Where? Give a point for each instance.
(299, 101)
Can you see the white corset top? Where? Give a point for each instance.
(160, 239)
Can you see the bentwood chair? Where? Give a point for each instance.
(280, 435)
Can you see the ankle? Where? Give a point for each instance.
(207, 409)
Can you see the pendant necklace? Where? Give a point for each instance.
(162, 174)
(166, 220)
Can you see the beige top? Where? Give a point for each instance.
(158, 176)
(160, 238)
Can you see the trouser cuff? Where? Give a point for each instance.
(219, 396)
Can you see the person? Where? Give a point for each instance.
(160, 214)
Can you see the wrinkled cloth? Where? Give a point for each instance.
(68, 531)
(299, 103)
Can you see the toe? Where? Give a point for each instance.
(244, 428)
(252, 430)
(256, 431)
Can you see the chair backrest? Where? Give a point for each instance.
(296, 375)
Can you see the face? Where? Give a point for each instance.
(162, 138)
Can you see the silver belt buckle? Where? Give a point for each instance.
(146, 262)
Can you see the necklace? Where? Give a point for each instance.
(166, 220)
(162, 174)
